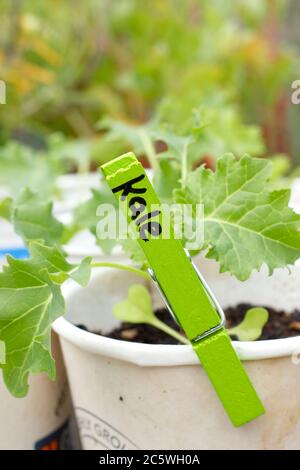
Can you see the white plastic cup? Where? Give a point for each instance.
(130, 395)
(41, 420)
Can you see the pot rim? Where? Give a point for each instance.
(161, 354)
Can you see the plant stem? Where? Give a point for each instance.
(149, 149)
(124, 267)
(184, 164)
(167, 329)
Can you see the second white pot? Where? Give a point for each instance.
(130, 395)
(41, 420)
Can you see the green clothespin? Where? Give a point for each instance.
(184, 290)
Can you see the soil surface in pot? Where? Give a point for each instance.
(280, 325)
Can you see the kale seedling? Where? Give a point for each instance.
(246, 223)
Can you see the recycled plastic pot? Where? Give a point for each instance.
(130, 395)
(41, 420)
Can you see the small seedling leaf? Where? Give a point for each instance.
(137, 308)
(252, 325)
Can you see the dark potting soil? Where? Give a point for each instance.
(279, 325)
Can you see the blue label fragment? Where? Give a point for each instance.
(19, 253)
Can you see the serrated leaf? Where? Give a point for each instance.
(54, 260)
(250, 329)
(29, 303)
(33, 220)
(247, 224)
(30, 300)
(82, 273)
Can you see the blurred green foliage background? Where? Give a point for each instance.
(82, 75)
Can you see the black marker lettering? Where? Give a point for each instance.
(128, 188)
(137, 205)
(151, 227)
(146, 217)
